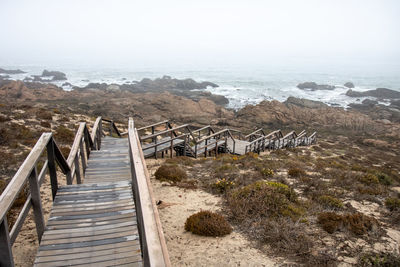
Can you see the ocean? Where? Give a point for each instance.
(242, 86)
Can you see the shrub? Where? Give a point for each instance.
(379, 259)
(170, 173)
(267, 172)
(4, 118)
(3, 185)
(392, 203)
(369, 179)
(296, 172)
(330, 202)
(223, 185)
(286, 236)
(384, 178)
(45, 124)
(264, 200)
(356, 223)
(43, 115)
(65, 151)
(207, 223)
(182, 160)
(64, 135)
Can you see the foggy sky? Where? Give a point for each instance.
(205, 32)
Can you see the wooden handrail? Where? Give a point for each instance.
(163, 132)
(256, 131)
(203, 128)
(215, 134)
(165, 141)
(152, 125)
(154, 249)
(15, 186)
(292, 133)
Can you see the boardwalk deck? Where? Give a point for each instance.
(95, 223)
(110, 164)
(91, 224)
(240, 146)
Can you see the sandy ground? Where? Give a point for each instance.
(187, 249)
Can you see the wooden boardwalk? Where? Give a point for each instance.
(95, 223)
(111, 163)
(187, 141)
(108, 218)
(240, 146)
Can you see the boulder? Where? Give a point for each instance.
(349, 85)
(113, 87)
(395, 104)
(11, 71)
(305, 103)
(57, 75)
(100, 86)
(314, 86)
(381, 93)
(67, 84)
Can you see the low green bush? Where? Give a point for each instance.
(170, 173)
(207, 223)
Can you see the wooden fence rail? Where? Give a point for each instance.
(154, 249)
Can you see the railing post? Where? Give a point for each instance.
(87, 145)
(155, 149)
(185, 144)
(99, 137)
(82, 152)
(77, 169)
(51, 163)
(36, 203)
(172, 144)
(6, 257)
(152, 132)
(205, 148)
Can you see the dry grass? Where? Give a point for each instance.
(64, 135)
(356, 223)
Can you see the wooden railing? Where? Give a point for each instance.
(78, 156)
(276, 140)
(167, 136)
(152, 241)
(211, 140)
(112, 127)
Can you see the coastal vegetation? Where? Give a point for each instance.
(318, 205)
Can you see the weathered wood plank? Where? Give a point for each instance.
(77, 251)
(90, 254)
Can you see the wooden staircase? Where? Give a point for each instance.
(108, 218)
(186, 140)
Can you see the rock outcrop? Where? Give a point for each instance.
(277, 115)
(380, 93)
(349, 85)
(11, 71)
(57, 75)
(164, 84)
(305, 103)
(314, 86)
